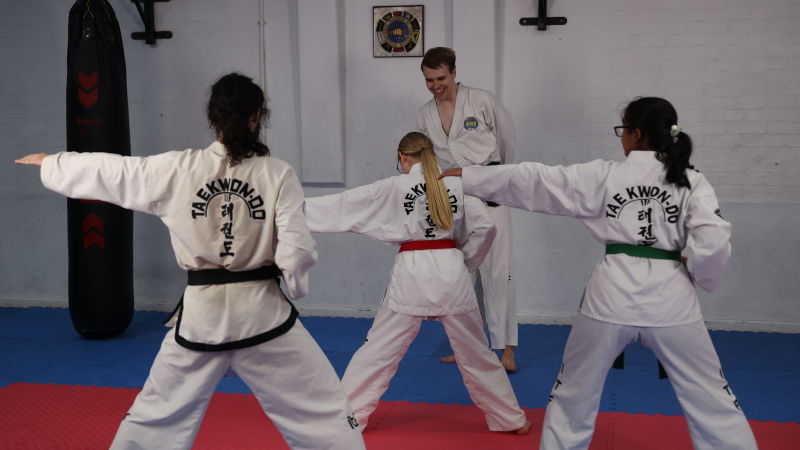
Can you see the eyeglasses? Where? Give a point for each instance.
(399, 170)
(618, 129)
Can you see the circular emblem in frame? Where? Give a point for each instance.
(398, 31)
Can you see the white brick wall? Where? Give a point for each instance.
(731, 68)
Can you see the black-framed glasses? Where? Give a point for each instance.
(618, 129)
(399, 170)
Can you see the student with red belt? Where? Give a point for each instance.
(443, 237)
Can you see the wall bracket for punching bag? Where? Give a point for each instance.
(99, 234)
(541, 20)
(148, 15)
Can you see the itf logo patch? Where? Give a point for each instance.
(470, 123)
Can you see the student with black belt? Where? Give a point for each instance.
(235, 218)
(664, 234)
(443, 236)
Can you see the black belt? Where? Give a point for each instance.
(493, 204)
(223, 276)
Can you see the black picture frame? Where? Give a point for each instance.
(398, 31)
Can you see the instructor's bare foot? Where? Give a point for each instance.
(448, 359)
(508, 359)
(525, 428)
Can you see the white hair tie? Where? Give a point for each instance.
(674, 131)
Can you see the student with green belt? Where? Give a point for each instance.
(664, 234)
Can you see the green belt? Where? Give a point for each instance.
(642, 251)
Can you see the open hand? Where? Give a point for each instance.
(454, 172)
(34, 159)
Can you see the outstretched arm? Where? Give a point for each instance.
(34, 159)
(359, 210)
(112, 178)
(562, 190)
(452, 172)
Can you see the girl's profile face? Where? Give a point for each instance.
(632, 139)
(404, 163)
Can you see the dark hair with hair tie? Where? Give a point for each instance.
(655, 118)
(234, 99)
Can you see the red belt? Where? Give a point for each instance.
(428, 245)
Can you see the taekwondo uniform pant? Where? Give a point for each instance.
(289, 375)
(687, 354)
(374, 364)
(499, 295)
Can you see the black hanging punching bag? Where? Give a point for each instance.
(100, 235)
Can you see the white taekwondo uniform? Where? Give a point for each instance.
(630, 298)
(237, 218)
(482, 133)
(423, 283)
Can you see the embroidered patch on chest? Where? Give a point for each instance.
(470, 123)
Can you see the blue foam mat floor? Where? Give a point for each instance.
(38, 345)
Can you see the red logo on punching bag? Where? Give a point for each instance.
(87, 89)
(94, 225)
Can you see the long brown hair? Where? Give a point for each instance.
(234, 99)
(417, 145)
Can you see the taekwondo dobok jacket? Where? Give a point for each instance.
(482, 132)
(394, 211)
(626, 202)
(238, 218)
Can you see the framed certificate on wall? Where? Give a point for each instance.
(397, 31)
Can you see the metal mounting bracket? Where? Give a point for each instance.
(542, 21)
(148, 14)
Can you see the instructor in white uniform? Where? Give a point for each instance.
(235, 218)
(661, 225)
(443, 236)
(468, 127)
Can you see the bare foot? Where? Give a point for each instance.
(508, 359)
(525, 428)
(448, 359)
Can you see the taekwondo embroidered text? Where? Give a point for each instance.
(643, 194)
(229, 187)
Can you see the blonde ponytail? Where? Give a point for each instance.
(438, 201)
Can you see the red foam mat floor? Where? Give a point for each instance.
(45, 416)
